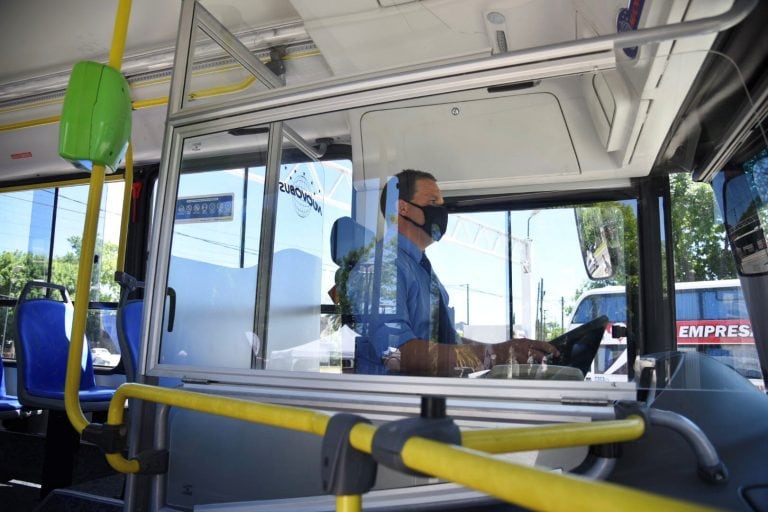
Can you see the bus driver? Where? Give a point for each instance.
(412, 332)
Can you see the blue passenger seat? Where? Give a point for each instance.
(9, 405)
(42, 350)
(349, 243)
(129, 315)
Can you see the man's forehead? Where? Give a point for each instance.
(428, 187)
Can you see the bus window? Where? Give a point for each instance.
(213, 266)
(711, 313)
(687, 305)
(518, 273)
(727, 303)
(613, 305)
(49, 221)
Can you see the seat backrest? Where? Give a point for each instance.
(129, 317)
(348, 238)
(349, 241)
(43, 345)
(2, 381)
(9, 406)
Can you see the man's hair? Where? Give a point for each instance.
(405, 182)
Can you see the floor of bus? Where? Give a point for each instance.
(95, 487)
(21, 473)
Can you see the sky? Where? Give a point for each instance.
(554, 256)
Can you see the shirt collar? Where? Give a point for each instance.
(406, 245)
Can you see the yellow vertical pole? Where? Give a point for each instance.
(72, 384)
(353, 503)
(125, 220)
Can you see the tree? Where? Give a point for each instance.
(699, 239)
(103, 285)
(16, 268)
(700, 242)
(552, 329)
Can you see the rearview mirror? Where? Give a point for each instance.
(601, 231)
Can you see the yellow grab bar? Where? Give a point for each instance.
(349, 503)
(88, 244)
(529, 487)
(87, 249)
(126, 215)
(553, 436)
(293, 418)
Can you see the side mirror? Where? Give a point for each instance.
(743, 197)
(601, 232)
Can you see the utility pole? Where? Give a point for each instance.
(541, 308)
(562, 314)
(467, 285)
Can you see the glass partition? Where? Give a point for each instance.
(220, 216)
(213, 269)
(555, 270)
(311, 196)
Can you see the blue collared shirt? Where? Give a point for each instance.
(409, 297)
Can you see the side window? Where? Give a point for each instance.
(586, 311)
(213, 267)
(615, 307)
(25, 245)
(711, 314)
(42, 239)
(727, 303)
(687, 305)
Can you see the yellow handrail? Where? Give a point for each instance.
(529, 487)
(553, 436)
(302, 420)
(124, 220)
(88, 244)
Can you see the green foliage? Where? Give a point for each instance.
(552, 329)
(699, 240)
(700, 243)
(16, 268)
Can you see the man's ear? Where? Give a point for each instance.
(402, 207)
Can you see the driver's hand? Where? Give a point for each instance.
(524, 350)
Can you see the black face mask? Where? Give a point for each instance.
(435, 220)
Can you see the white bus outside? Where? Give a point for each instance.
(711, 318)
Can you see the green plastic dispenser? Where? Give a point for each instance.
(95, 124)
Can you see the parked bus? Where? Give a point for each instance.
(205, 224)
(711, 318)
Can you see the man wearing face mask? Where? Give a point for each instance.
(413, 332)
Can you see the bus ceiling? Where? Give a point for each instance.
(559, 118)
